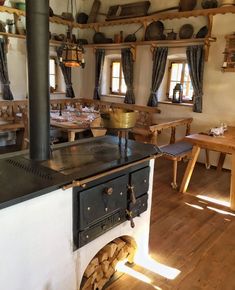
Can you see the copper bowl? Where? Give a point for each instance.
(119, 119)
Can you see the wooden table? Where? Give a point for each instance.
(73, 122)
(70, 128)
(223, 144)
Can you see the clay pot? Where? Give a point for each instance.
(171, 35)
(2, 2)
(99, 37)
(130, 38)
(187, 5)
(82, 18)
(207, 4)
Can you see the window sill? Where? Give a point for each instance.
(58, 93)
(176, 104)
(113, 96)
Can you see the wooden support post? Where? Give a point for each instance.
(172, 141)
(144, 23)
(188, 129)
(174, 182)
(133, 51)
(210, 24)
(232, 185)
(189, 169)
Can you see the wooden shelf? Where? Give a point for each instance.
(171, 43)
(52, 42)
(156, 43)
(11, 10)
(59, 20)
(162, 16)
(140, 20)
(13, 35)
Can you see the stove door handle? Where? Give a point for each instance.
(130, 217)
(108, 190)
(132, 194)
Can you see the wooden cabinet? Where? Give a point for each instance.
(229, 54)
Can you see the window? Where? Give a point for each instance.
(179, 73)
(53, 74)
(117, 82)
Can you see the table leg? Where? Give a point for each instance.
(221, 161)
(208, 165)
(71, 136)
(189, 169)
(232, 185)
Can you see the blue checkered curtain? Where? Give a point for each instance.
(196, 57)
(4, 78)
(99, 65)
(127, 67)
(159, 65)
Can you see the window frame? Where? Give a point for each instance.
(183, 62)
(120, 78)
(55, 74)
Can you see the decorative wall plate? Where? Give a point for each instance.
(154, 31)
(186, 31)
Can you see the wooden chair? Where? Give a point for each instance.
(176, 152)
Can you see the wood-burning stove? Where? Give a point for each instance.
(99, 207)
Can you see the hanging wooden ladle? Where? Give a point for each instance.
(132, 37)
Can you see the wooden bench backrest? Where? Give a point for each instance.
(145, 113)
(6, 111)
(18, 110)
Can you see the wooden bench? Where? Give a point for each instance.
(9, 122)
(141, 131)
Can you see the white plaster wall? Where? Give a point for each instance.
(218, 102)
(36, 244)
(17, 52)
(219, 87)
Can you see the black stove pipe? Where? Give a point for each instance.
(37, 27)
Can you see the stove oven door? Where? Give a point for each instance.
(100, 201)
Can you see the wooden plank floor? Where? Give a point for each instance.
(189, 234)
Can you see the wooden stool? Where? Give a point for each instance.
(176, 152)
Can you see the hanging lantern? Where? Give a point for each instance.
(73, 55)
(177, 93)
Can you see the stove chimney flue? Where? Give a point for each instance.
(37, 27)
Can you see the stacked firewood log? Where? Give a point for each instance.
(103, 265)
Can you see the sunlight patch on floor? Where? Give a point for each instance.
(152, 265)
(224, 212)
(121, 267)
(194, 206)
(214, 200)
